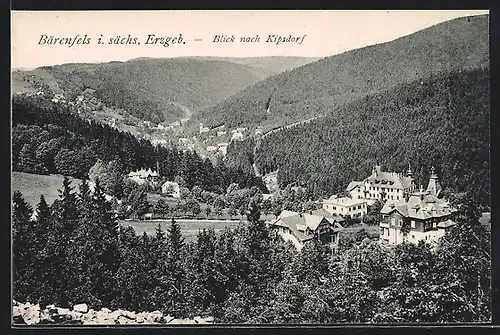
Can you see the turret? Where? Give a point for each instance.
(433, 187)
(409, 173)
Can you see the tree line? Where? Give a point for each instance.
(73, 251)
(51, 138)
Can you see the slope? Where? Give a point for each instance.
(271, 64)
(322, 86)
(147, 88)
(441, 122)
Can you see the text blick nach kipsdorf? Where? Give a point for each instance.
(274, 39)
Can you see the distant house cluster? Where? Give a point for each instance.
(300, 228)
(203, 129)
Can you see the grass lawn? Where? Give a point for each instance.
(373, 231)
(190, 228)
(32, 186)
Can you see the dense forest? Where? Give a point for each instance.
(441, 122)
(74, 252)
(49, 138)
(317, 88)
(150, 88)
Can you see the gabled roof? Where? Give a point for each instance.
(390, 179)
(420, 205)
(299, 223)
(313, 221)
(328, 215)
(353, 184)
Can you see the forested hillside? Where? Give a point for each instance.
(271, 64)
(147, 88)
(50, 138)
(323, 86)
(443, 121)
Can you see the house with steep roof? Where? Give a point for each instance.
(300, 228)
(143, 176)
(425, 216)
(382, 185)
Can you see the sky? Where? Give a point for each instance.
(326, 33)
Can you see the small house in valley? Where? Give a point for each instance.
(171, 189)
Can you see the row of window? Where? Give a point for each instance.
(413, 224)
(349, 208)
(374, 188)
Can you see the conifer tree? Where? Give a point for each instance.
(175, 270)
(94, 252)
(23, 251)
(42, 225)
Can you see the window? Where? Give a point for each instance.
(434, 224)
(412, 223)
(393, 222)
(400, 223)
(398, 197)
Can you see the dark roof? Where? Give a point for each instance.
(420, 205)
(299, 222)
(328, 215)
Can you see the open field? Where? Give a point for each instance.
(32, 186)
(190, 228)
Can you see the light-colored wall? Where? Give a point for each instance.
(341, 209)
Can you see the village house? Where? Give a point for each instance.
(157, 142)
(221, 133)
(171, 189)
(143, 176)
(203, 129)
(382, 185)
(426, 216)
(258, 131)
(300, 228)
(223, 148)
(211, 148)
(345, 206)
(237, 136)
